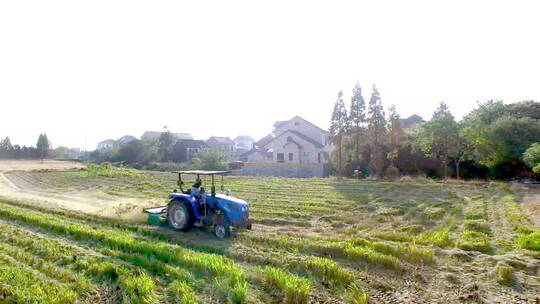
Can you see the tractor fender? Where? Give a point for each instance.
(189, 200)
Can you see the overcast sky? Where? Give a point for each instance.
(84, 71)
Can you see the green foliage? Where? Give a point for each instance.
(439, 136)
(43, 146)
(376, 134)
(108, 170)
(211, 159)
(530, 241)
(6, 149)
(137, 288)
(532, 157)
(165, 144)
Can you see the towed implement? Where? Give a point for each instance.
(201, 208)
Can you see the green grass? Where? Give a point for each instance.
(295, 290)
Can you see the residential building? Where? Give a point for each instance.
(243, 143)
(299, 141)
(125, 139)
(154, 135)
(222, 143)
(106, 144)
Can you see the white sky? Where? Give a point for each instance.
(101, 69)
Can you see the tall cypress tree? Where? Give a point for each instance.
(6, 149)
(357, 119)
(339, 124)
(376, 132)
(396, 136)
(43, 146)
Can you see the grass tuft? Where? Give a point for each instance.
(296, 290)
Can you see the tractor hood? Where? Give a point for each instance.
(230, 199)
(237, 210)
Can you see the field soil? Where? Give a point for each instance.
(35, 165)
(18, 182)
(69, 237)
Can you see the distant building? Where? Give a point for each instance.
(105, 145)
(243, 143)
(222, 143)
(154, 135)
(125, 139)
(412, 121)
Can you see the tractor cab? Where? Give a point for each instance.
(197, 206)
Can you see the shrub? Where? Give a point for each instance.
(108, 170)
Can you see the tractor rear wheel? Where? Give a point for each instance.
(180, 216)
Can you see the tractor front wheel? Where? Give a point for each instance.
(222, 230)
(180, 216)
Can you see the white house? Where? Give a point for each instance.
(243, 143)
(299, 141)
(105, 145)
(126, 139)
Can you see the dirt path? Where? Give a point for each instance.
(531, 203)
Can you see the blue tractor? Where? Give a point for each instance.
(198, 207)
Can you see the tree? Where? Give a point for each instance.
(165, 145)
(357, 119)
(43, 146)
(396, 135)
(338, 126)
(376, 133)
(211, 159)
(528, 108)
(438, 137)
(508, 137)
(6, 149)
(131, 152)
(531, 157)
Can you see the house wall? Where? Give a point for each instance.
(257, 157)
(283, 170)
(308, 154)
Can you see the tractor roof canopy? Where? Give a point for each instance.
(202, 172)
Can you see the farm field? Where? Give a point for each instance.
(313, 241)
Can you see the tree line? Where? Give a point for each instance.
(40, 151)
(494, 140)
(165, 152)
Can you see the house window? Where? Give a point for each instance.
(296, 123)
(319, 157)
(290, 157)
(280, 158)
